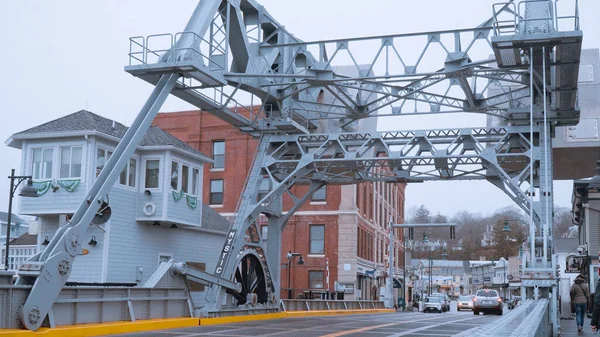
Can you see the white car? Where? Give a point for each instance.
(465, 302)
(433, 303)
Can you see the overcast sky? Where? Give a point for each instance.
(62, 56)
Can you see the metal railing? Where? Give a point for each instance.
(165, 48)
(515, 23)
(330, 305)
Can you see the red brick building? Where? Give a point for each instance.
(343, 229)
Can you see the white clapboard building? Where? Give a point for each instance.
(156, 210)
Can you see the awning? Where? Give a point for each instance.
(397, 283)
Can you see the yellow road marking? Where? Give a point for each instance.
(347, 332)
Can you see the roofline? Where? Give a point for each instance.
(202, 157)
(14, 141)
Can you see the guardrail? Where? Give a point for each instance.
(329, 305)
(515, 21)
(80, 305)
(528, 319)
(166, 48)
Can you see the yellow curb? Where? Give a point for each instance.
(245, 318)
(84, 330)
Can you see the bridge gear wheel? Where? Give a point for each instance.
(250, 273)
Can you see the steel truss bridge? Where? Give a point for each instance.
(306, 102)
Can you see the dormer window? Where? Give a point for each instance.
(42, 164)
(70, 162)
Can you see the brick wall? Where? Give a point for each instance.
(201, 129)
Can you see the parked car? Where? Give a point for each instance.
(487, 301)
(465, 302)
(512, 303)
(433, 303)
(445, 298)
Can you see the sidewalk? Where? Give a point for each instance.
(569, 328)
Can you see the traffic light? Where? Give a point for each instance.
(411, 233)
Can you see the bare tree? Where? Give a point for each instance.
(563, 219)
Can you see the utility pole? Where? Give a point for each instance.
(390, 279)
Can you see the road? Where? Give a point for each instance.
(405, 324)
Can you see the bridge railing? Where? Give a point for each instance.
(531, 318)
(329, 305)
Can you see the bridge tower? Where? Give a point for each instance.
(234, 56)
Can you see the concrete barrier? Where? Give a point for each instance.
(528, 319)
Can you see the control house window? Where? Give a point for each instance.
(102, 157)
(152, 173)
(317, 239)
(316, 279)
(195, 180)
(320, 194)
(42, 164)
(127, 177)
(70, 162)
(216, 192)
(218, 148)
(185, 177)
(175, 175)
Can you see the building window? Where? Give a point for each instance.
(102, 157)
(216, 192)
(42, 164)
(317, 239)
(195, 180)
(127, 177)
(316, 279)
(320, 194)
(152, 173)
(264, 231)
(185, 178)
(164, 258)
(218, 154)
(175, 175)
(70, 162)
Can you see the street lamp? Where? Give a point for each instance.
(27, 191)
(290, 257)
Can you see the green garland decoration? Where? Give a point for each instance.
(42, 186)
(192, 201)
(177, 195)
(68, 184)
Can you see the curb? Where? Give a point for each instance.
(88, 330)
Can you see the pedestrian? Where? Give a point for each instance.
(596, 308)
(580, 295)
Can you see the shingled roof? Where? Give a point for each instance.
(24, 240)
(212, 220)
(86, 121)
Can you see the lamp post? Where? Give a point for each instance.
(291, 256)
(27, 191)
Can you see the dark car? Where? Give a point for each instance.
(512, 303)
(433, 303)
(487, 301)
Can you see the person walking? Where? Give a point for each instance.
(580, 294)
(596, 309)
